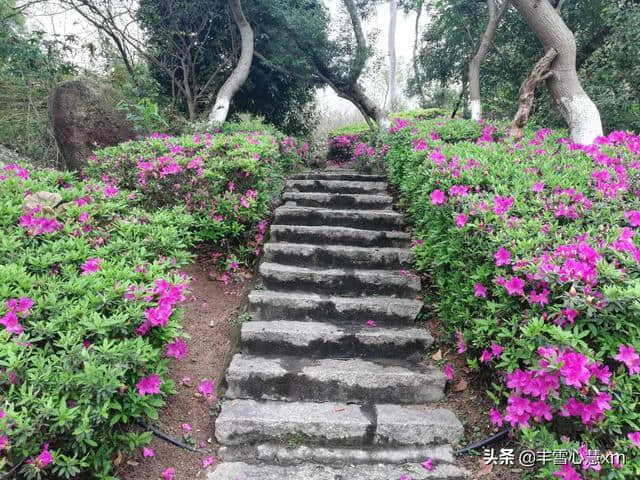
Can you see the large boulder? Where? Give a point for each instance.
(84, 118)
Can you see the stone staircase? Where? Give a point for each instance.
(318, 392)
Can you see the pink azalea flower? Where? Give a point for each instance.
(502, 256)
(208, 461)
(169, 474)
(206, 388)
(495, 417)
(176, 349)
(448, 371)
(438, 197)
(461, 220)
(149, 385)
(567, 472)
(371, 323)
(428, 464)
(635, 438)
(148, 452)
(630, 358)
(4, 441)
(538, 187)
(44, 459)
(186, 428)
(634, 217)
(496, 350)
(405, 477)
(462, 346)
(91, 266)
(486, 356)
(480, 290)
(110, 191)
(11, 323)
(514, 286)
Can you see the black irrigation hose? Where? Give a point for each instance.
(167, 438)
(482, 443)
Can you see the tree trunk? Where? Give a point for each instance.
(578, 110)
(416, 66)
(541, 72)
(495, 16)
(369, 106)
(239, 75)
(393, 84)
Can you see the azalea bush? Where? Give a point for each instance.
(530, 247)
(226, 181)
(88, 319)
(90, 286)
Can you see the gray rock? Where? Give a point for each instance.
(334, 456)
(318, 339)
(337, 256)
(348, 380)
(365, 219)
(336, 186)
(84, 119)
(272, 305)
(338, 175)
(338, 201)
(311, 471)
(409, 426)
(337, 281)
(248, 421)
(324, 235)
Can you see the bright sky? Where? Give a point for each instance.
(58, 21)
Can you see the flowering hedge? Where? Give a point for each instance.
(226, 181)
(531, 250)
(90, 287)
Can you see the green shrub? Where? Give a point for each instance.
(90, 287)
(227, 182)
(530, 247)
(69, 381)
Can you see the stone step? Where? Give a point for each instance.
(334, 424)
(363, 219)
(313, 471)
(319, 339)
(337, 256)
(338, 200)
(323, 235)
(337, 380)
(338, 175)
(273, 305)
(344, 282)
(294, 453)
(336, 186)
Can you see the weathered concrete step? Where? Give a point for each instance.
(338, 200)
(323, 235)
(336, 186)
(364, 219)
(337, 380)
(344, 282)
(319, 339)
(292, 454)
(273, 305)
(338, 175)
(337, 256)
(312, 471)
(334, 424)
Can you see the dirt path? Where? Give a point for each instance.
(207, 320)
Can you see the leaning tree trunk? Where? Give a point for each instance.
(541, 72)
(393, 83)
(239, 75)
(495, 16)
(580, 113)
(368, 106)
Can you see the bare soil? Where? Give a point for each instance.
(209, 317)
